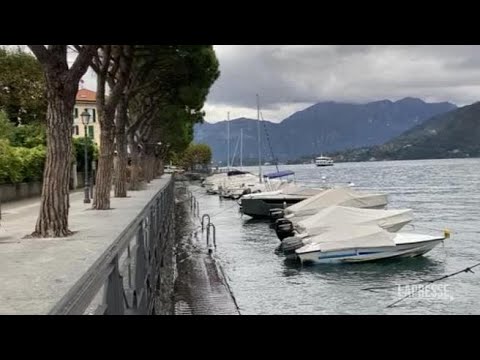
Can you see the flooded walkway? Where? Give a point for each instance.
(200, 287)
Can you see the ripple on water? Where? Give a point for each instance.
(442, 193)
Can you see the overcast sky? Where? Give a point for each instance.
(289, 78)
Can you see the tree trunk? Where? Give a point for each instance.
(149, 167)
(62, 86)
(106, 115)
(54, 205)
(105, 169)
(158, 167)
(134, 165)
(122, 155)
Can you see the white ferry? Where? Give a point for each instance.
(323, 161)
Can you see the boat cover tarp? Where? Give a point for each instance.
(301, 191)
(285, 191)
(279, 174)
(349, 237)
(236, 172)
(336, 196)
(335, 216)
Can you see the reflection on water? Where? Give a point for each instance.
(442, 194)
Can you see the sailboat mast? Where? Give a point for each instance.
(258, 135)
(241, 148)
(228, 141)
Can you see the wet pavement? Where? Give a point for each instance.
(36, 273)
(201, 287)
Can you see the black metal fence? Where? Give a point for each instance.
(125, 279)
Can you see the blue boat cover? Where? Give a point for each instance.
(279, 174)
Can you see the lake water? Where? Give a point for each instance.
(442, 193)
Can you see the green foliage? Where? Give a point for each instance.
(30, 162)
(29, 136)
(177, 80)
(6, 127)
(22, 87)
(9, 172)
(196, 154)
(79, 152)
(20, 164)
(22, 151)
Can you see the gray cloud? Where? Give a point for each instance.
(286, 75)
(291, 77)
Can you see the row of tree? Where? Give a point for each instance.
(148, 99)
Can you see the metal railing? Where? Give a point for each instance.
(126, 277)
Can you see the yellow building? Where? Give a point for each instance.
(86, 99)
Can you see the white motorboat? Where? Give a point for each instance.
(391, 220)
(352, 244)
(323, 161)
(251, 185)
(341, 196)
(296, 235)
(213, 183)
(260, 205)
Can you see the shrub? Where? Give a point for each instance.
(19, 164)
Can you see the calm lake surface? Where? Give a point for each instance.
(442, 193)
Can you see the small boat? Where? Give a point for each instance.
(296, 235)
(365, 243)
(214, 182)
(260, 205)
(391, 220)
(335, 196)
(251, 185)
(323, 161)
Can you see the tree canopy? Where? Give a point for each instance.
(196, 155)
(22, 87)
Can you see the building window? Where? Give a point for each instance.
(94, 115)
(76, 113)
(75, 130)
(91, 132)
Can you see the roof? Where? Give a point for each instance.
(86, 95)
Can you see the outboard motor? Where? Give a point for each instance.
(247, 191)
(284, 228)
(290, 244)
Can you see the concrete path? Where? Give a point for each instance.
(36, 273)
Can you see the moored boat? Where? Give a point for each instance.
(365, 243)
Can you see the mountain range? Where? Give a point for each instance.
(449, 135)
(322, 128)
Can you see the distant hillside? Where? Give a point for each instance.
(321, 128)
(453, 134)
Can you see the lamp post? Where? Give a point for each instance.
(85, 115)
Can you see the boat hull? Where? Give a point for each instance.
(260, 208)
(368, 254)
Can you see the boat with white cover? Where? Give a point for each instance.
(214, 182)
(301, 233)
(353, 244)
(342, 196)
(391, 220)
